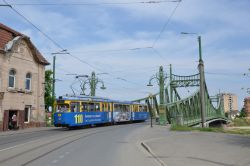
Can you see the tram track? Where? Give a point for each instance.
(46, 147)
(26, 134)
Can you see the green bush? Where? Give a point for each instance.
(241, 122)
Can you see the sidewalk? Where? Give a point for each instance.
(198, 148)
(26, 130)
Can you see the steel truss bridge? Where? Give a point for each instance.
(196, 109)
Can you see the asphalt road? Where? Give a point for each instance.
(121, 145)
(111, 146)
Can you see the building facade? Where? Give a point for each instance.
(230, 104)
(247, 106)
(22, 78)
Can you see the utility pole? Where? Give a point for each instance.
(53, 90)
(170, 80)
(54, 81)
(202, 84)
(202, 80)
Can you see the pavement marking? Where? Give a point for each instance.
(54, 161)
(62, 156)
(66, 153)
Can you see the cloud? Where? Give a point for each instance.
(88, 32)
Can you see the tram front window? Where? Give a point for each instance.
(62, 108)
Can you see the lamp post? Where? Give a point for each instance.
(93, 81)
(202, 79)
(160, 77)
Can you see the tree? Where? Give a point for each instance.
(48, 89)
(243, 112)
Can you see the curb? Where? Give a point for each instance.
(147, 148)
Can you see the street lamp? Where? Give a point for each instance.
(149, 84)
(202, 79)
(93, 81)
(160, 77)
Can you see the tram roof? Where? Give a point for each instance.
(93, 98)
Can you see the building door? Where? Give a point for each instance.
(6, 120)
(11, 125)
(21, 119)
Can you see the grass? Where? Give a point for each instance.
(241, 122)
(238, 131)
(186, 128)
(211, 129)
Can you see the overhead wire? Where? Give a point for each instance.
(92, 4)
(166, 24)
(108, 50)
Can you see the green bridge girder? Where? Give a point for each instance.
(185, 111)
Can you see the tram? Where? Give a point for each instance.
(76, 111)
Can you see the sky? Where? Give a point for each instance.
(129, 40)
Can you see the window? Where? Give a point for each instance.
(97, 107)
(91, 107)
(85, 107)
(12, 78)
(27, 114)
(75, 107)
(103, 107)
(94, 107)
(28, 81)
(62, 108)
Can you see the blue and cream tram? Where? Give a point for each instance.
(73, 111)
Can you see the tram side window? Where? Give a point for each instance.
(135, 108)
(103, 107)
(116, 107)
(74, 107)
(126, 108)
(85, 107)
(109, 107)
(62, 108)
(97, 107)
(123, 108)
(140, 108)
(91, 107)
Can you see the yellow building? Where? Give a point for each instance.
(230, 103)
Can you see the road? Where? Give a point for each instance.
(121, 145)
(110, 145)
